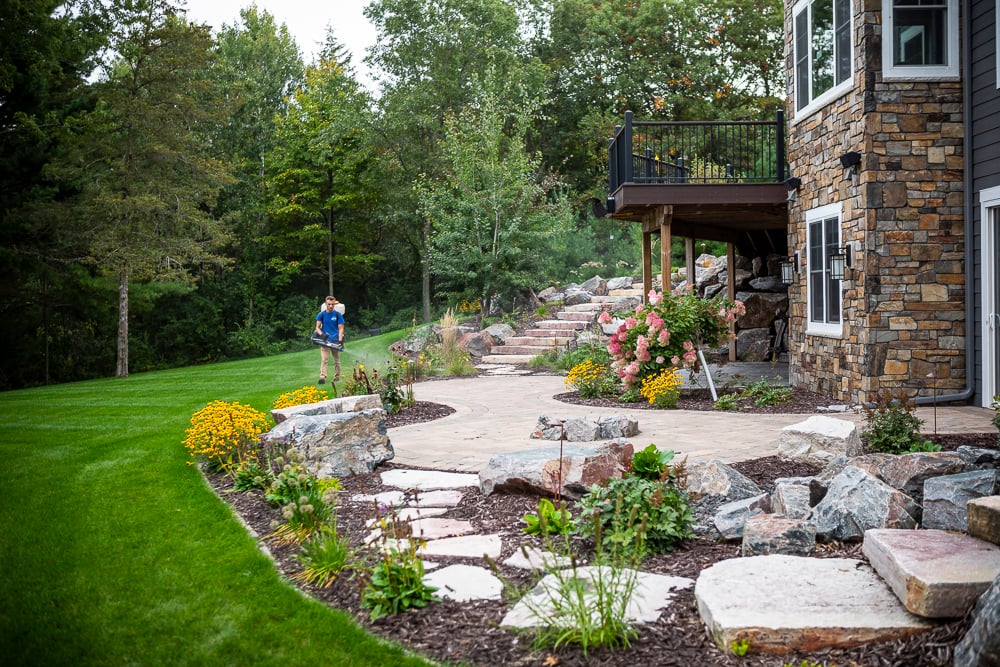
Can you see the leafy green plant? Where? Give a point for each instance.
(396, 581)
(650, 463)
(324, 556)
(549, 520)
(891, 427)
(592, 379)
(252, 475)
(726, 402)
(567, 359)
(763, 394)
(663, 507)
(740, 646)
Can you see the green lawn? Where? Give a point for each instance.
(114, 551)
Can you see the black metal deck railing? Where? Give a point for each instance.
(664, 152)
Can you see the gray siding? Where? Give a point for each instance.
(985, 137)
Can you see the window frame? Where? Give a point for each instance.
(821, 216)
(946, 72)
(838, 89)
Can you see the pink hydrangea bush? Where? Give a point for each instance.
(667, 331)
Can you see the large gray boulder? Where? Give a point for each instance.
(907, 472)
(333, 406)
(582, 429)
(577, 297)
(765, 534)
(761, 308)
(790, 499)
(715, 478)
(538, 471)
(980, 647)
(730, 518)
(753, 344)
(946, 497)
(819, 440)
(623, 282)
(597, 286)
(336, 445)
(500, 332)
(856, 501)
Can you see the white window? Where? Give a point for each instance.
(823, 226)
(920, 39)
(989, 201)
(824, 51)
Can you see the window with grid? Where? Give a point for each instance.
(920, 39)
(824, 292)
(823, 51)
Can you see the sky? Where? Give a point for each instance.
(307, 21)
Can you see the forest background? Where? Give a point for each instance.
(174, 194)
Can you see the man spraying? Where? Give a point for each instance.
(330, 329)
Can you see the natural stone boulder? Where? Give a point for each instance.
(983, 517)
(334, 406)
(477, 344)
(625, 304)
(819, 440)
(979, 457)
(581, 429)
(731, 517)
(337, 445)
(980, 647)
(768, 284)
(770, 534)
(936, 574)
(857, 501)
(907, 472)
(715, 478)
(753, 344)
(538, 471)
(550, 294)
(577, 297)
(761, 308)
(597, 286)
(791, 499)
(785, 603)
(623, 282)
(946, 497)
(500, 332)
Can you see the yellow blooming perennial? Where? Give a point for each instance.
(303, 396)
(663, 389)
(224, 434)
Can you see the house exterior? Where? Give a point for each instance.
(894, 132)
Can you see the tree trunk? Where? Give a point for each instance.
(329, 251)
(122, 367)
(426, 270)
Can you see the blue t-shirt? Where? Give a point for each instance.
(330, 323)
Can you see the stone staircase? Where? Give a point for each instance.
(554, 334)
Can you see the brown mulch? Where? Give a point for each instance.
(800, 402)
(469, 633)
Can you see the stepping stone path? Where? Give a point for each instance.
(424, 498)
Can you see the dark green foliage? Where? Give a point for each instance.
(650, 463)
(549, 520)
(891, 427)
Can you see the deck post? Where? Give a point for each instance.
(692, 270)
(731, 292)
(647, 264)
(666, 215)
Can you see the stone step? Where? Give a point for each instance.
(571, 325)
(506, 350)
(550, 341)
(785, 603)
(983, 516)
(934, 573)
(592, 307)
(551, 333)
(575, 317)
(508, 359)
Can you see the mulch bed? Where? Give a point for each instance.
(469, 633)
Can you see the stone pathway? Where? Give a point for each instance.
(777, 602)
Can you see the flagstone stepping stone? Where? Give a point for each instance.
(936, 573)
(386, 498)
(436, 528)
(444, 498)
(783, 603)
(532, 558)
(466, 546)
(651, 594)
(464, 583)
(425, 480)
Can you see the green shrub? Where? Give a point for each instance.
(726, 402)
(891, 427)
(252, 475)
(663, 508)
(396, 581)
(763, 394)
(548, 520)
(592, 379)
(650, 463)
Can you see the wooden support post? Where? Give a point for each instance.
(665, 241)
(692, 270)
(731, 291)
(647, 264)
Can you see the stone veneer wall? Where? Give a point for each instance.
(903, 302)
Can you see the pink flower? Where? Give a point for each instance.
(604, 317)
(614, 348)
(654, 297)
(660, 359)
(663, 338)
(630, 323)
(689, 346)
(675, 361)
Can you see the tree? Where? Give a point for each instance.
(429, 52)
(140, 162)
(318, 178)
(495, 203)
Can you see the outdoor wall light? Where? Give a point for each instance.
(793, 183)
(852, 159)
(789, 267)
(840, 261)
